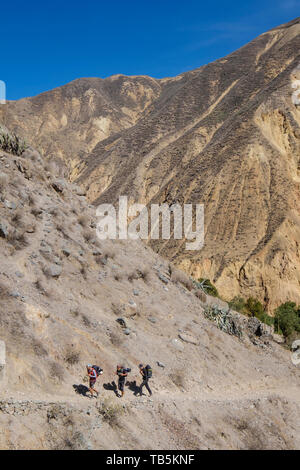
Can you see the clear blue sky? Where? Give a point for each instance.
(44, 45)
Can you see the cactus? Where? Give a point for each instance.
(223, 319)
(12, 143)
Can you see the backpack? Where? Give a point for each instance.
(98, 370)
(148, 370)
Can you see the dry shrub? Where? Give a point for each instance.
(17, 217)
(182, 278)
(83, 220)
(38, 348)
(51, 167)
(3, 184)
(110, 411)
(17, 181)
(4, 292)
(177, 378)
(133, 275)
(84, 271)
(60, 226)
(36, 211)
(109, 252)
(116, 338)
(118, 275)
(75, 311)
(40, 286)
(54, 211)
(31, 200)
(88, 235)
(74, 211)
(57, 371)
(85, 320)
(141, 273)
(201, 295)
(117, 309)
(145, 274)
(99, 259)
(17, 239)
(72, 356)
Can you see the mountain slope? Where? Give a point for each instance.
(61, 294)
(226, 135)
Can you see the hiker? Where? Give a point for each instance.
(146, 373)
(93, 372)
(122, 373)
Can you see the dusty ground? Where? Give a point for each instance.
(61, 292)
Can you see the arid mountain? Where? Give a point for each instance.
(226, 135)
(68, 299)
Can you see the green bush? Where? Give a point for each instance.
(287, 319)
(207, 287)
(239, 304)
(251, 307)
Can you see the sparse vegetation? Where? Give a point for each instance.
(181, 277)
(116, 338)
(178, 378)
(109, 252)
(207, 286)
(3, 184)
(251, 307)
(57, 371)
(117, 309)
(287, 319)
(12, 143)
(223, 319)
(39, 348)
(40, 286)
(118, 275)
(88, 235)
(110, 411)
(72, 356)
(83, 220)
(17, 217)
(17, 238)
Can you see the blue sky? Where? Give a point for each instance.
(48, 44)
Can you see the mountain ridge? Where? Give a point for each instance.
(192, 138)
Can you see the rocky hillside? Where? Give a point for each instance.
(226, 135)
(67, 299)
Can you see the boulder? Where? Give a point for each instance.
(54, 270)
(177, 344)
(257, 328)
(188, 338)
(160, 364)
(278, 338)
(10, 204)
(163, 278)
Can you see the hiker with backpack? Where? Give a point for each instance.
(122, 373)
(146, 373)
(93, 373)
